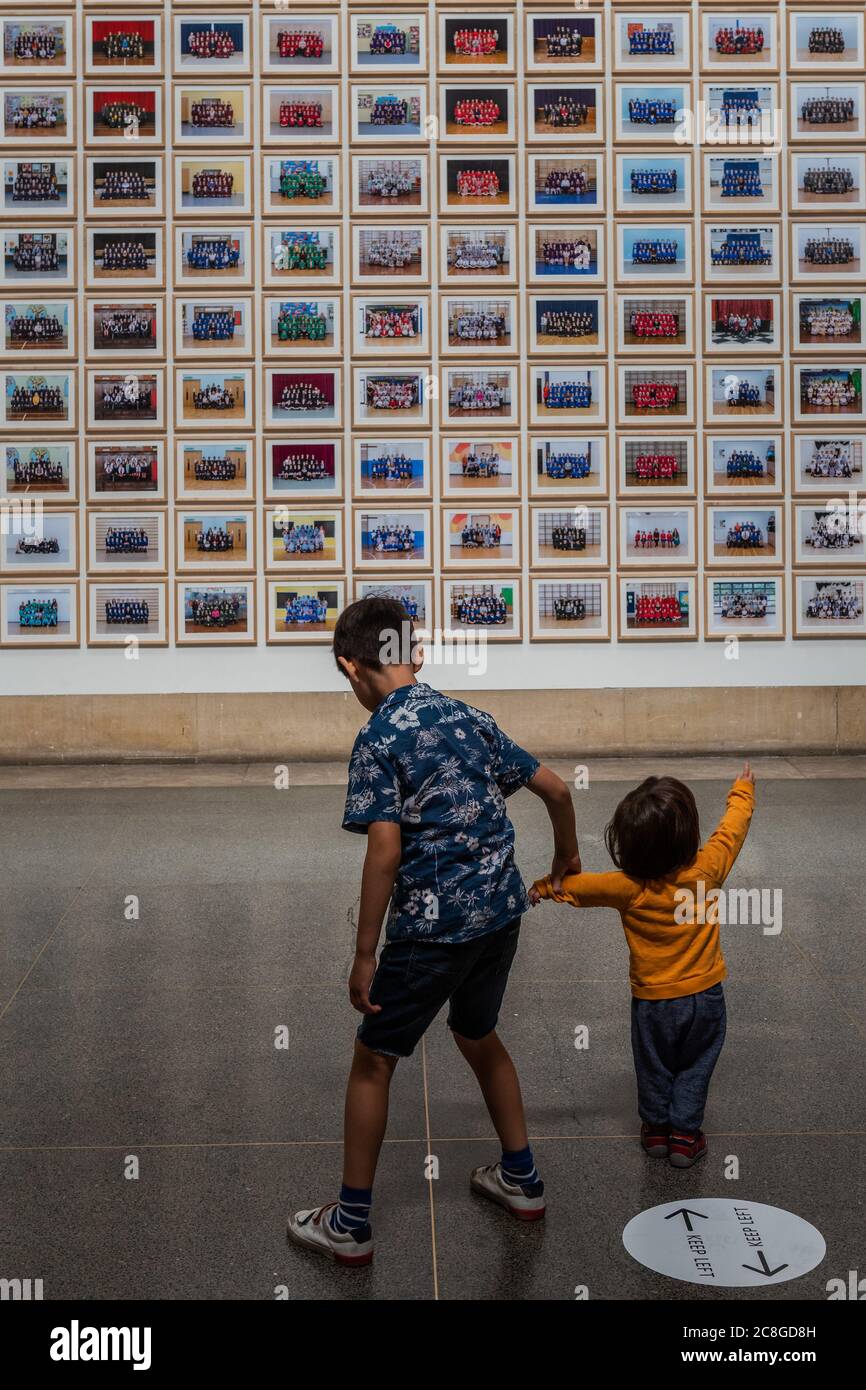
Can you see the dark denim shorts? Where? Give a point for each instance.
(415, 978)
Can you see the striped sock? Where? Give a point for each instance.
(519, 1167)
(352, 1212)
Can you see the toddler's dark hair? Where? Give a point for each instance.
(654, 830)
(370, 627)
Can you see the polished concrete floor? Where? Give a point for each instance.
(153, 1040)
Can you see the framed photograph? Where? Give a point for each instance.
(37, 44)
(656, 468)
(567, 325)
(386, 255)
(213, 327)
(830, 252)
(563, 465)
(480, 538)
(478, 326)
(655, 324)
(125, 258)
(122, 187)
(307, 115)
(416, 596)
(383, 41)
(38, 398)
(567, 395)
(657, 537)
(302, 255)
(204, 184)
(483, 605)
(734, 113)
(122, 398)
(303, 538)
(831, 460)
(658, 43)
(301, 327)
(574, 537)
(478, 255)
(660, 609)
(208, 257)
(39, 615)
(299, 396)
(742, 254)
(302, 185)
(120, 115)
(570, 610)
(651, 254)
(390, 184)
(39, 468)
(744, 463)
(735, 183)
(213, 540)
(559, 182)
(128, 43)
(739, 43)
(738, 605)
(118, 542)
(477, 185)
(120, 611)
(478, 394)
(648, 183)
(830, 182)
(827, 392)
(829, 534)
(301, 469)
(826, 39)
(126, 471)
(383, 326)
(560, 40)
(820, 111)
(470, 114)
(733, 394)
(829, 605)
(45, 187)
(295, 44)
(219, 470)
(744, 325)
(125, 328)
(43, 328)
(208, 46)
(385, 396)
(475, 467)
(215, 612)
(303, 611)
(391, 468)
(389, 112)
(48, 546)
(560, 112)
(38, 258)
(826, 322)
(37, 117)
(392, 538)
(206, 399)
(647, 394)
(566, 254)
(216, 115)
(751, 535)
(655, 112)
(481, 41)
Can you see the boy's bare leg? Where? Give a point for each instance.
(365, 1114)
(497, 1077)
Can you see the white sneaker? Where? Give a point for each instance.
(313, 1230)
(526, 1203)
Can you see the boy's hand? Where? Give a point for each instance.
(747, 775)
(563, 864)
(360, 980)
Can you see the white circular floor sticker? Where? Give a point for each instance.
(723, 1243)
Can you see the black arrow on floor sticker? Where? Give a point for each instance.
(685, 1214)
(765, 1268)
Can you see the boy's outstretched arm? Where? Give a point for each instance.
(560, 808)
(719, 854)
(377, 884)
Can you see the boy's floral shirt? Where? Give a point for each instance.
(441, 770)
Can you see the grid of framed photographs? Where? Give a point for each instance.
(545, 318)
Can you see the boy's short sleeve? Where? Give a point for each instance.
(374, 787)
(514, 766)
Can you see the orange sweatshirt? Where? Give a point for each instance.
(673, 938)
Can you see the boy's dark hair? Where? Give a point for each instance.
(373, 627)
(654, 830)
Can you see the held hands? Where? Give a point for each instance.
(562, 864)
(360, 979)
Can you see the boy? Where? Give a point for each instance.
(428, 779)
(676, 964)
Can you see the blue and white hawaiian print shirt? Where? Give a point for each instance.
(441, 770)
